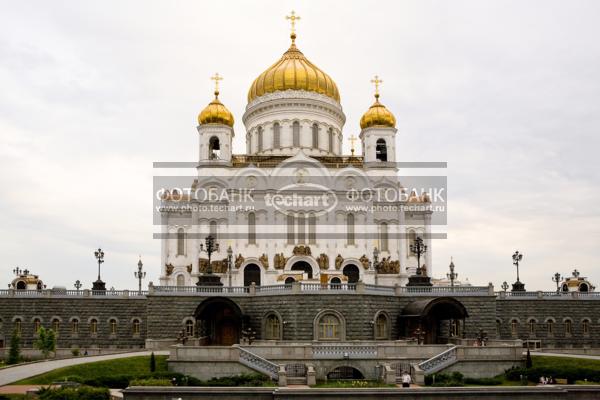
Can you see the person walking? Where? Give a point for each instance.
(406, 379)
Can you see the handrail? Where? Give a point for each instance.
(440, 361)
(258, 363)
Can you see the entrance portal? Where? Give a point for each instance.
(251, 274)
(433, 320)
(304, 267)
(219, 322)
(352, 272)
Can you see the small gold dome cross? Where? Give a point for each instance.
(293, 18)
(376, 81)
(216, 78)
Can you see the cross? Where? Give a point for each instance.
(376, 81)
(216, 78)
(576, 273)
(293, 19)
(352, 140)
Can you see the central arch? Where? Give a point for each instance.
(304, 267)
(352, 272)
(219, 321)
(251, 274)
(434, 317)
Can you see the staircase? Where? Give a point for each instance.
(439, 362)
(258, 363)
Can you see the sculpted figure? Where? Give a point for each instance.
(170, 269)
(238, 261)
(264, 260)
(338, 261)
(323, 261)
(364, 261)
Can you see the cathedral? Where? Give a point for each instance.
(294, 207)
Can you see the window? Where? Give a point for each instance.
(315, 136)
(585, 326)
(514, 327)
(330, 138)
(135, 327)
(180, 242)
(350, 229)
(312, 228)
(272, 327)
(329, 327)
(381, 327)
(296, 133)
(37, 324)
(276, 136)
(412, 236)
(113, 326)
(180, 280)
(213, 229)
(381, 150)
(550, 326)
(94, 326)
(251, 228)
(214, 148)
(498, 328)
(301, 228)
(74, 326)
(189, 328)
(532, 326)
(568, 327)
(290, 229)
(18, 324)
(260, 139)
(454, 328)
(383, 240)
(56, 326)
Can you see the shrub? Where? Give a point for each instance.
(75, 352)
(152, 362)
(82, 393)
(46, 341)
(570, 373)
(14, 353)
(150, 382)
(443, 380)
(109, 381)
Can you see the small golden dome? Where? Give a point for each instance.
(293, 71)
(215, 113)
(377, 115)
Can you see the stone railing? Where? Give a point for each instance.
(344, 351)
(553, 295)
(258, 363)
(58, 292)
(439, 362)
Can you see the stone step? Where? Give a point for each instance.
(296, 380)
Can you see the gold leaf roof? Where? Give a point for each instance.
(215, 113)
(377, 115)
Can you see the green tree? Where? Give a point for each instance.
(46, 341)
(528, 360)
(14, 353)
(152, 362)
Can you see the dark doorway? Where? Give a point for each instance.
(21, 285)
(436, 320)
(251, 274)
(219, 322)
(351, 271)
(345, 372)
(289, 280)
(304, 267)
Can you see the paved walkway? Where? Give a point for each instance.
(13, 374)
(539, 353)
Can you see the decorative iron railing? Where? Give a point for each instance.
(439, 362)
(258, 363)
(344, 351)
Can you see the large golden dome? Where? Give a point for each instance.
(215, 113)
(293, 71)
(377, 115)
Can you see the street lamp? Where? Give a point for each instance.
(78, 285)
(517, 286)
(418, 248)
(139, 274)
(208, 279)
(99, 285)
(17, 271)
(452, 275)
(504, 286)
(557, 279)
(229, 263)
(375, 263)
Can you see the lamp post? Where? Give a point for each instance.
(139, 274)
(556, 278)
(17, 271)
(518, 286)
(418, 248)
(375, 263)
(208, 279)
(99, 285)
(229, 263)
(452, 275)
(78, 285)
(504, 286)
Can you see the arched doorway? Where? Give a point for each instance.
(21, 285)
(352, 272)
(289, 280)
(251, 274)
(304, 267)
(434, 320)
(345, 372)
(219, 322)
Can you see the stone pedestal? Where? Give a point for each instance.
(209, 280)
(99, 285)
(518, 286)
(419, 280)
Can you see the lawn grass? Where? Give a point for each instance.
(563, 362)
(133, 366)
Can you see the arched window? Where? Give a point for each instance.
(113, 326)
(550, 326)
(180, 242)
(251, 228)
(213, 229)
(135, 327)
(94, 326)
(568, 327)
(74, 326)
(350, 229)
(565, 287)
(330, 139)
(312, 228)
(290, 230)
(532, 326)
(18, 326)
(55, 326)
(315, 136)
(21, 285)
(335, 283)
(37, 324)
(585, 326)
(383, 240)
(276, 135)
(289, 280)
(301, 228)
(412, 236)
(498, 328)
(296, 133)
(514, 327)
(214, 148)
(352, 272)
(382, 327)
(381, 150)
(260, 138)
(583, 287)
(272, 327)
(189, 328)
(180, 280)
(329, 327)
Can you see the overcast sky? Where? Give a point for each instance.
(93, 92)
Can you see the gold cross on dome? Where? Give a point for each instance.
(352, 140)
(293, 17)
(216, 78)
(376, 81)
